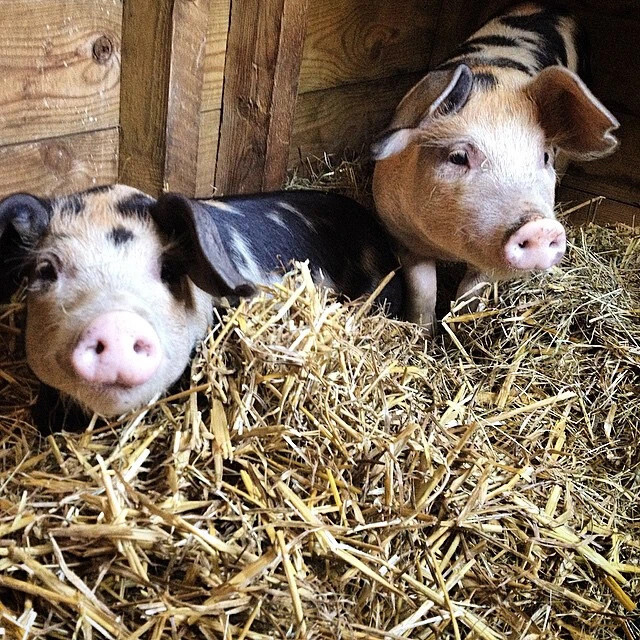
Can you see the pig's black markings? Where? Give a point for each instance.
(120, 235)
(485, 80)
(552, 50)
(505, 63)
(137, 205)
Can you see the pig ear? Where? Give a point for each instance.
(23, 219)
(572, 118)
(27, 215)
(439, 93)
(209, 264)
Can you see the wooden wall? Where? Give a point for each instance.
(59, 94)
(199, 96)
(359, 58)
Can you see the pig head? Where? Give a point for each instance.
(112, 314)
(465, 171)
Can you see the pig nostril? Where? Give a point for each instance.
(524, 244)
(100, 348)
(553, 243)
(139, 346)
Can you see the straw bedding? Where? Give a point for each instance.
(332, 474)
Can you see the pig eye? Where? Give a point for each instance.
(459, 158)
(45, 272)
(546, 158)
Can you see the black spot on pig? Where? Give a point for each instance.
(136, 205)
(503, 63)
(77, 202)
(477, 45)
(99, 189)
(120, 235)
(551, 48)
(494, 41)
(72, 204)
(485, 80)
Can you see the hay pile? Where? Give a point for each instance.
(336, 475)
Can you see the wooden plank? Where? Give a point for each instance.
(264, 51)
(59, 67)
(215, 53)
(188, 40)
(351, 41)
(615, 56)
(456, 21)
(146, 32)
(207, 152)
(605, 211)
(162, 76)
(60, 165)
(350, 116)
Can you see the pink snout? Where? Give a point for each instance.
(538, 244)
(118, 347)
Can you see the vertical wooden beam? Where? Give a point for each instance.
(186, 74)
(264, 54)
(146, 29)
(163, 45)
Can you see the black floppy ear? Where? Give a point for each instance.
(209, 264)
(23, 219)
(29, 216)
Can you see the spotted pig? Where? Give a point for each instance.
(465, 171)
(122, 286)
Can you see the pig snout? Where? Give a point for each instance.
(537, 244)
(118, 347)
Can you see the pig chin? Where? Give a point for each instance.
(114, 400)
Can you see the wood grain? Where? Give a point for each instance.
(161, 102)
(188, 40)
(351, 41)
(605, 211)
(51, 83)
(60, 165)
(215, 53)
(207, 152)
(264, 51)
(144, 89)
(346, 117)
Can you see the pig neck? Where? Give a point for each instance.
(404, 171)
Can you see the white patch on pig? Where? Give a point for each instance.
(245, 261)
(322, 279)
(274, 216)
(225, 206)
(421, 280)
(291, 209)
(566, 28)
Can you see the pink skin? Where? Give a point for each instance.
(537, 244)
(117, 348)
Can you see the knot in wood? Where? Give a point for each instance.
(102, 49)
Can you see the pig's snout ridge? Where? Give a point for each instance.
(117, 348)
(536, 245)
